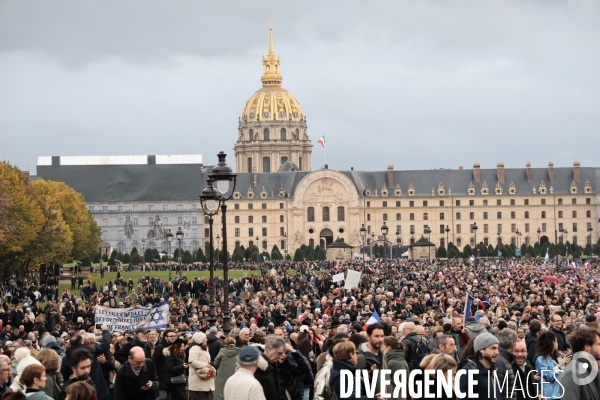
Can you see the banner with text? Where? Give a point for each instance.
(128, 319)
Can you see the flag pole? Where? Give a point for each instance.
(324, 153)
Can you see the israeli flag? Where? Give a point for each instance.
(546, 258)
(158, 316)
(499, 254)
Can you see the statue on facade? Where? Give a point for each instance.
(158, 228)
(128, 227)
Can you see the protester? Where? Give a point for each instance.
(81, 391)
(549, 363)
(136, 378)
(225, 364)
(506, 341)
(526, 388)
(394, 359)
(201, 383)
(486, 351)
(345, 358)
(34, 379)
(158, 358)
(50, 360)
(80, 363)
(242, 385)
(582, 340)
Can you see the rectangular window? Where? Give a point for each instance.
(424, 203)
(526, 202)
(485, 203)
(194, 233)
(441, 216)
(412, 216)
(264, 219)
(498, 202)
(574, 200)
(136, 235)
(91, 208)
(237, 232)
(425, 216)
(368, 204)
(457, 203)
(310, 214)
(513, 228)
(399, 229)
(512, 202)
(588, 200)
(397, 204)
(264, 206)
(499, 215)
(281, 206)
(281, 231)
(485, 228)
(135, 221)
(341, 213)
(120, 235)
(105, 235)
(384, 204)
(194, 221)
(471, 202)
(485, 215)
(299, 163)
(574, 227)
(266, 164)
(264, 231)
(526, 228)
(325, 213)
(250, 206)
(236, 206)
(441, 203)
(499, 228)
(560, 226)
(251, 232)
(543, 202)
(411, 203)
(249, 162)
(559, 201)
(206, 232)
(458, 228)
(104, 208)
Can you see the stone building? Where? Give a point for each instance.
(280, 201)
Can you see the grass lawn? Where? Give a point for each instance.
(135, 275)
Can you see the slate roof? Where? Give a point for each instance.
(120, 183)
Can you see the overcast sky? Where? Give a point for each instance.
(416, 84)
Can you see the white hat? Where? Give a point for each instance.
(199, 337)
(25, 359)
(304, 328)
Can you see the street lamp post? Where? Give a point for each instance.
(518, 234)
(363, 235)
(179, 235)
(210, 207)
(447, 230)
(384, 232)
(398, 241)
(474, 227)
(372, 244)
(143, 250)
(590, 229)
(169, 237)
(412, 232)
(222, 178)
(539, 231)
(427, 231)
(218, 241)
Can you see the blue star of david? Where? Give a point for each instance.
(156, 316)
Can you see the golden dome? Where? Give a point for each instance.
(272, 102)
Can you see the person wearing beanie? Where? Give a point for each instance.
(214, 343)
(201, 383)
(486, 350)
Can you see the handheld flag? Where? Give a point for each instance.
(472, 258)
(467, 310)
(321, 141)
(546, 258)
(158, 317)
(508, 275)
(499, 254)
(575, 264)
(586, 264)
(441, 276)
(374, 319)
(591, 279)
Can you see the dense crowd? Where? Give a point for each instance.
(293, 331)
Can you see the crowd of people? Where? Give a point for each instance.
(293, 331)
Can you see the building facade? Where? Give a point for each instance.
(280, 201)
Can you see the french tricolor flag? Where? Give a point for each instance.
(374, 319)
(586, 264)
(441, 276)
(575, 264)
(508, 275)
(472, 258)
(321, 141)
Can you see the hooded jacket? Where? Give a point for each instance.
(475, 329)
(504, 368)
(395, 360)
(225, 364)
(366, 359)
(335, 381)
(322, 389)
(482, 388)
(214, 345)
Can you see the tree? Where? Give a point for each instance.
(199, 255)
(491, 252)
(136, 259)
(85, 262)
(276, 255)
(187, 257)
(134, 250)
(275, 249)
(126, 258)
(453, 253)
(298, 255)
(238, 256)
(255, 256)
(322, 256)
(149, 256)
(467, 251)
(104, 258)
(96, 258)
(441, 252)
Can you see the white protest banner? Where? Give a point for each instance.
(338, 277)
(352, 279)
(127, 319)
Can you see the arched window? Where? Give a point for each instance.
(264, 219)
(574, 214)
(281, 218)
(459, 242)
(297, 134)
(485, 215)
(499, 215)
(264, 244)
(398, 217)
(341, 213)
(412, 216)
(560, 214)
(266, 134)
(442, 242)
(526, 214)
(325, 213)
(513, 215)
(251, 135)
(237, 219)
(310, 214)
(237, 244)
(250, 219)
(283, 134)
(104, 222)
(543, 214)
(441, 216)
(425, 216)
(457, 215)
(385, 217)
(472, 215)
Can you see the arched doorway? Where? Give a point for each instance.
(325, 238)
(543, 240)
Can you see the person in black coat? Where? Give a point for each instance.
(522, 369)
(136, 379)
(158, 358)
(214, 343)
(96, 374)
(141, 340)
(267, 373)
(81, 360)
(176, 366)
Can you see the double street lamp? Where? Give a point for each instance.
(427, 231)
(384, 232)
(220, 189)
(539, 231)
(169, 237)
(474, 227)
(363, 235)
(179, 235)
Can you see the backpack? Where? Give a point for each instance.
(421, 350)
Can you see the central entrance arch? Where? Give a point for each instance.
(325, 238)
(543, 240)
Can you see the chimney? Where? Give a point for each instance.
(551, 171)
(528, 171)
(576, 171)
(390, 176)
(500, 170)
(460, 167)
(254, 177)
(476, 172)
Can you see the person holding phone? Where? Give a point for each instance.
(136, 378)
